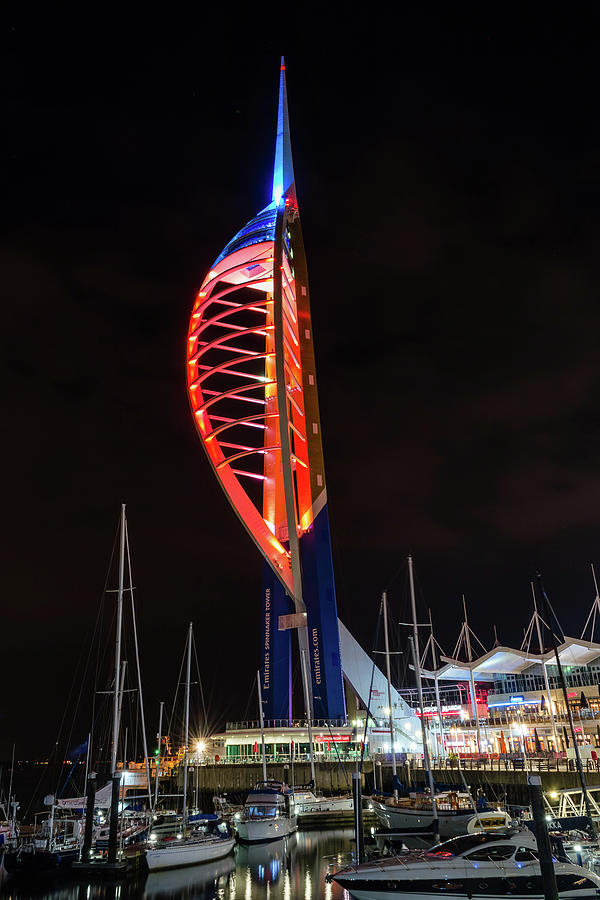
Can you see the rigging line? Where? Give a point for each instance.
(140, 705)
(340, 763)
(248, 702)
(204, 731)
(172, 716)
(64, 787)
(100, 624)
(75, 673)
(362, 752)
(398, 572)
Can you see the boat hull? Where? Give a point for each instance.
(383, 894)
(38, 862)
(531, 888)
(180, 854)
(450, 824)
(262, 830)
(323, 804)
(487, 867)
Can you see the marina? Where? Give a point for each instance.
(314, 737)
(289, 868)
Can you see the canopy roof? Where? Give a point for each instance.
(506, 661)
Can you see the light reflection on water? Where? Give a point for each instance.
(290, 869)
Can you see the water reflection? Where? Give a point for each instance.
(204, 881)
(264, 864)
(293, 868)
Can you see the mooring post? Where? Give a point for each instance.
(114, 819)
(542, 838)
(358, 818)
(89, 817)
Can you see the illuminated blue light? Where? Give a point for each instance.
(514, 701)
(283, 170)
(260, 228)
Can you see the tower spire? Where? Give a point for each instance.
(283, 170)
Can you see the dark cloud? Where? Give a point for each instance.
(449, 186)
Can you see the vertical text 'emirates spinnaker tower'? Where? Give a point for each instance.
(253, 391)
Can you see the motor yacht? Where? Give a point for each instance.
(305, 803)
(488, 864)
(268, 813)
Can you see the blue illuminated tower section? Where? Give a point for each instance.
(253, 390)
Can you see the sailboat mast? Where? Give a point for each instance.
(262, 727)
(546, 681)
(470, 656)
(437, 688)
(115, 736)
(417, 664)
(426, 757)
(307, 696)
(389, 687)
(187, 725)
(139, 673)
(121, 694)
(160, 715)
(88, 757)
(10, 783)
(563, 683)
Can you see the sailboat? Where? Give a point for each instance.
(208, 839)
(62, 842)
(449, 813)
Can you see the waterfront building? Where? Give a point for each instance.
(515, 718)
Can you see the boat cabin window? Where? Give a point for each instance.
(493, 853)
(458, 845)
(261, 812)
(525, 854)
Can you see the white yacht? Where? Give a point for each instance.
(306, 803)
(486, 865)
(268, 813)
(209, 839)
(454, 809)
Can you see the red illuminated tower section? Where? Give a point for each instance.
(253, 392)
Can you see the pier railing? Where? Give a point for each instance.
(286, 758)
(511, 763)
(254, 724)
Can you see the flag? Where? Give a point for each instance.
(76, 752)
(502, 743)
(292, 746)
(256, 746)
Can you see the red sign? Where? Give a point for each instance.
(329, 738)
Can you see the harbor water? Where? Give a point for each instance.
(291, 869)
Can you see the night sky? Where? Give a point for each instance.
(448, 174)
